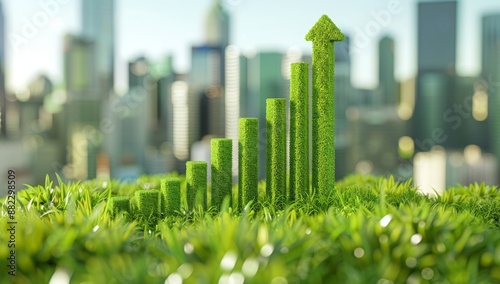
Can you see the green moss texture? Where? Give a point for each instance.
(222, 169)
(248, 160)
(325, 30)
(119, 204)
(148, 202)
(299, 129)
(171, 194)
(323, 34)
(196, 184)
(276, 151)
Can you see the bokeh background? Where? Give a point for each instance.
(115, 89)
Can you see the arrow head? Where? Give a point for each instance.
(325, 30)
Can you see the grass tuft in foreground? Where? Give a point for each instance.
(366, 230)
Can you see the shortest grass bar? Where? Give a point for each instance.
(196, 184)
(119, 204)
(276, 151)
(222, 170)
(248, 161)
(148, 202)
(171, 194)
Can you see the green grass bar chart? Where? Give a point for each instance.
(299, 129)
(322, 35)
(248, 160)
(276, 150)
(222, 167)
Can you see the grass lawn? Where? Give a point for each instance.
(366, 230)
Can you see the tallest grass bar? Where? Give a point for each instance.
(299, 129)
(276, 151)
(323, 34)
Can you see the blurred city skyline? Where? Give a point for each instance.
(113, 89)
(151, 28)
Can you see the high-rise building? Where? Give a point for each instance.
(165, 78)
(207, 76)
(82, 111)
(343, 89)
(436, 60)
(374, 133)
(144, 85)
(437, 35)
(206, 93)
(439, 169)
(468, 120)
(265, 80)
(79, 65)
(18, 157)
(233, 95)
(387, 82)
(491, 76)
(490, 33)
(182, 116)
(217, 24)
(139, 120)
(433, 88)
(32, 114)
(163, 136)
(344, 93)
(98, 26)
(3, 99)
(212, 114)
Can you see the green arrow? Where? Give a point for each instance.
(323, 34)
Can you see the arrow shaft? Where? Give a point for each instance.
(323, 116)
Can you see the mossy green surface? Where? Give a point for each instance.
(325, 30)
(148, 202)
(322, 34)
(222, 170)
(171, 194)
(370, 228)
(119, 204)
(276, 151)
(248, 160)
(196, 184)
(299, 130)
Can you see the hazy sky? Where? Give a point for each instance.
(155, 28)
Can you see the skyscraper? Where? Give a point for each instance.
(82, 110)
(233, 92)
(3, 100)
(437, 35)
(233, 95)
(343, 99)
(207, 67)
(206, 93)
(436, 60)
(265, 80)
(471, 93)
(98, 26)
(217, 25)
(31, 110)
(163, 137)
(491, 75)
(166, 77)
(490, 33)
(207, 75)
(387, 82)
(181, 120)
(137, 124)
